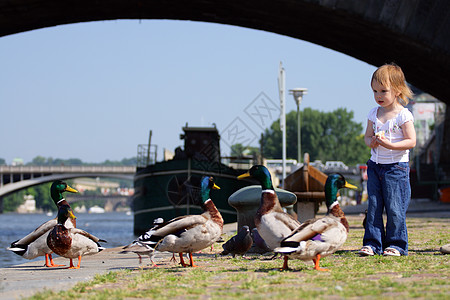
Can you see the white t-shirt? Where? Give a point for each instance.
(392, 132)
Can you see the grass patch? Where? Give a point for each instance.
(425, 273)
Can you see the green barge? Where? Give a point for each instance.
(171, 188)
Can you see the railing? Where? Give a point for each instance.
(146, 155)
(67, 169)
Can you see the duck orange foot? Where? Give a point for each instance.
(50, 264)
(316, 264)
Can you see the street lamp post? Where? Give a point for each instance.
(282, 88)
(298, 95)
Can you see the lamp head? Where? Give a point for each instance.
(298, 94)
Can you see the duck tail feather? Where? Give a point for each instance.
(18, 249)
(285, 250)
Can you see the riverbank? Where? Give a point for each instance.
(116, 228)
(427, 265)
(26, 279)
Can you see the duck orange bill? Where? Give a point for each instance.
(70, 189)
(245, 175)
(71, 215)
(350, 186)
(216, 187)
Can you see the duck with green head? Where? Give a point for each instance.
(71, 242)
(272, 222)
(321, 237)
(190, 233)
(35, 243)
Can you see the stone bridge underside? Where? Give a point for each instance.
(413, 33)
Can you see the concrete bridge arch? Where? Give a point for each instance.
(15, 178)
(417, 31)
(20, 185)
(413, 33)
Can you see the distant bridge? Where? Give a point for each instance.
(111, 202)
(15, 178)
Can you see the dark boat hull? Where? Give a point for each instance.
(171, 188)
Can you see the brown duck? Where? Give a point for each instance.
(321, 237)
(35, 243)
(71, 242)
(272, 222)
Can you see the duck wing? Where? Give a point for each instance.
(309, 230)
(86, 234)
(34, 235)
(178, 225)
(288, 220)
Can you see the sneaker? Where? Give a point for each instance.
(366, 251)
(389, 251)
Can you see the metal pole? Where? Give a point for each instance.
(298, 95)
(281, 87)
(148, 147)
(299, 142)
(188, 208)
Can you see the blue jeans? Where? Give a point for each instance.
(388, 189)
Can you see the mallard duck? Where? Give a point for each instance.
(238, 244)
(35, 243)
(71, 242)
(272, 222)
(142, 245)
(321, 237)
(190, 233)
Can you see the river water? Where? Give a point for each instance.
(115, 227)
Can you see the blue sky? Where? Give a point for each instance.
(94, 90)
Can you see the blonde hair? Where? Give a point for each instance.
(392, 75)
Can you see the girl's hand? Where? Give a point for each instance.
(374, 142)
(383, 141)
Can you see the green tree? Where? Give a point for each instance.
(67, 162)
(49, 161)
(129, 161)
(325, 136)
(11, 202)
(237, 150)
(39, 161)
(40, 192)
(42, 196)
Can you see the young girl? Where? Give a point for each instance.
(390, 134)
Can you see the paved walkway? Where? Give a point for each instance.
(26, 279)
